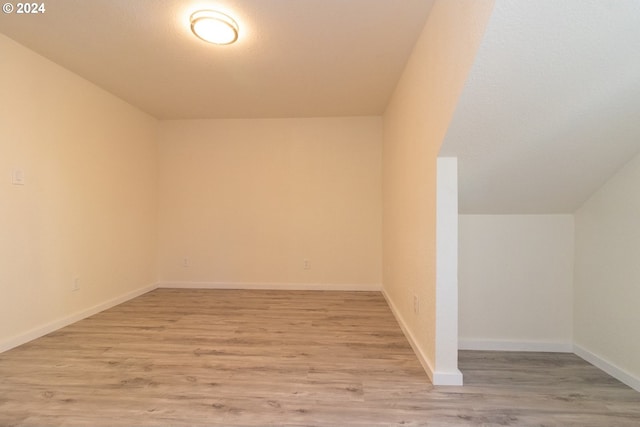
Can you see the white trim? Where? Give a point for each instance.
(72, 318)
(273, 286)
(436, 377)
(448, 378)
(610, 368)
(407, 333)
(507, 345)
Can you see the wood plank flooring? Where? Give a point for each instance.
(284, 358)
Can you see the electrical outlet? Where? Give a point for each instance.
(185, 262)
(416, 305)
(75, 286)
(306, 265)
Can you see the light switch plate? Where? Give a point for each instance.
(17, 177)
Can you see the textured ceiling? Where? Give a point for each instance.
(294, 58)
(551, 108)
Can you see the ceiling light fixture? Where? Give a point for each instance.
(214, 27)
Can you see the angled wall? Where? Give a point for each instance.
(414, 125)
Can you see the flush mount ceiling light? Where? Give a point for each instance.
(214, 27)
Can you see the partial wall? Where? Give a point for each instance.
(415, 123)
(447, 273)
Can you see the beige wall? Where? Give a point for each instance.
(516, 282)
(415, 124)
(88, 207)
(607, 276)
(247, 201)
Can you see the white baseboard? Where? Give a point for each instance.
(448, 378)
(273, 286)
(72, 318)
(500, 345)
(437, 378)
(608, 367)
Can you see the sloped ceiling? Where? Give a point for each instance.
(551, 108)
(550, 111)
(294, 58)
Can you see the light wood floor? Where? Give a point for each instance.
(266, 358)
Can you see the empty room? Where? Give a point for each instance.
(319, 213)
